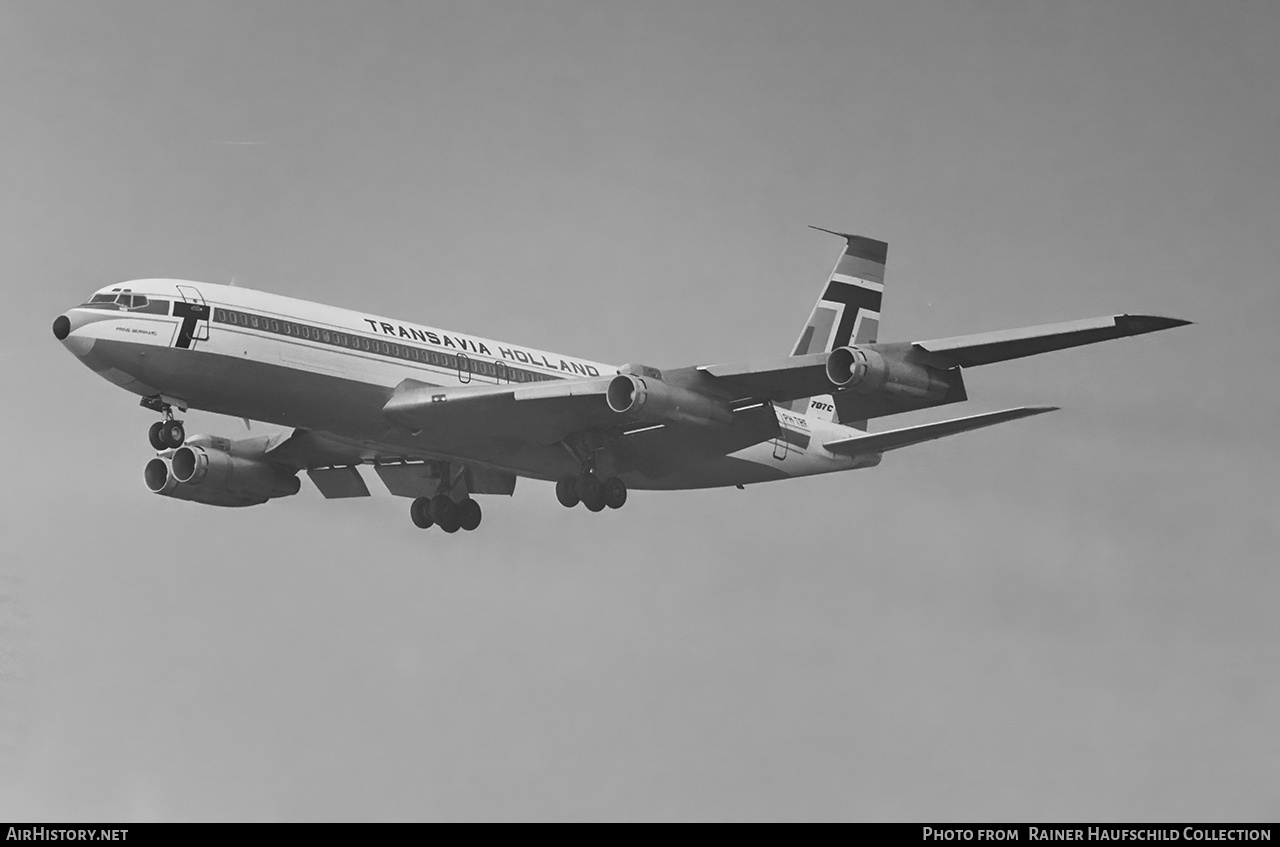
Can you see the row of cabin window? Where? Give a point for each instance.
(496, 370)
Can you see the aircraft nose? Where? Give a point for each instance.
(66, 328)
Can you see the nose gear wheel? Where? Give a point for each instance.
(166, 435)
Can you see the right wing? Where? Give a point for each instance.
(333, 463)
(541, 413)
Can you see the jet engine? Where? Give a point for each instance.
(647, 396)
(867, 372)
(219, 472)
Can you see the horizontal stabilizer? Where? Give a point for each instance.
(879, 442)
(987, 347)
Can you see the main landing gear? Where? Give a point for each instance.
(587, 489)
(442, 511)
(167, 434)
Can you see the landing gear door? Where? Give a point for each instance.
(195, 317)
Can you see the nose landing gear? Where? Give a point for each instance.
(167, 434)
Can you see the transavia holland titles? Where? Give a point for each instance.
(479, 347)
(1096, 833)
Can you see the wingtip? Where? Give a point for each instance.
(1030, 411)
(1138, 324)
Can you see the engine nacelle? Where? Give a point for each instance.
(193, 465)
(213, 472)
(159, 477)
(629, 394)
(867, 372)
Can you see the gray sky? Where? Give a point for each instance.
(1071, 617)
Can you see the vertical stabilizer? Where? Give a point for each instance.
(847, 311)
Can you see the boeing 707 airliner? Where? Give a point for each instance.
(442, 416)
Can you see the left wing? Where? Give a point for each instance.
(874, 380)
(1003, 345)
(660, 420)
(866, 380)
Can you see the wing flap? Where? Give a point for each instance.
(778, 380)
(338, 483)
(894, 439)
(987, 347)
(658, 451)
(422, 479)
(851, 406)
(305, 448)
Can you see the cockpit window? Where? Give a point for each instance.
(128, 301)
